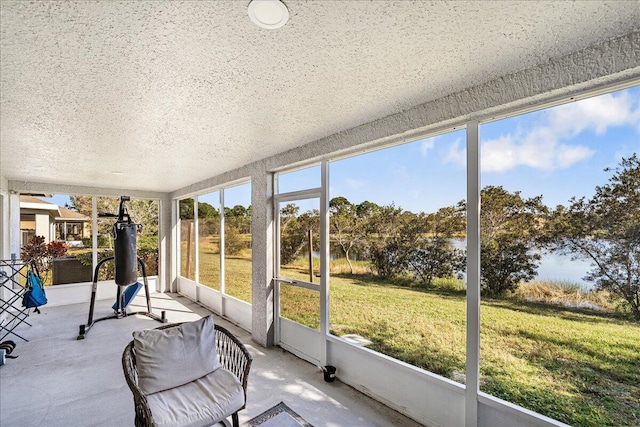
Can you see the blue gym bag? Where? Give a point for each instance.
(34, 295)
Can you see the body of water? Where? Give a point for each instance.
(553, 266)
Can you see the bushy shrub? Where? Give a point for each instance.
(42, 254)
(233, 242)
(389, 260)
(436, 258)
(504, 263)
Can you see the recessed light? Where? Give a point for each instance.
(117, 173)
(269, 14)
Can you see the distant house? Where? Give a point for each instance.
(41, 218)
(71, 225)
(37, 218)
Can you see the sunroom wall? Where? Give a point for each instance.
(428, 399)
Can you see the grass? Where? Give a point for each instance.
(577, 365)
(566, 294)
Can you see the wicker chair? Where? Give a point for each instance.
(232, 355)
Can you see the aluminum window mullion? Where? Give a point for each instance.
(298, 283)
(312, 193)
(222, 243)
(196, 248)
(324, 261)
(473, 276)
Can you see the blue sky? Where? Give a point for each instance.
(557, 153)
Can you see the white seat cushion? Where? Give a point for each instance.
(168, 358)
(202, 402)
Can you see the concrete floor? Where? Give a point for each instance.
(60, 381)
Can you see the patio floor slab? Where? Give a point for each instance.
(60, 381)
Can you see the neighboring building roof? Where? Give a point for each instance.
(63, 214)
(69, 215)
(30, 202)
(31, 199)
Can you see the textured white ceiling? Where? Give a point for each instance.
(171, 93)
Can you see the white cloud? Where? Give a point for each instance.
(499, 155)
(456, 154)
(546, 145)
(426, 145)
(542, 146)
(596, 114)
(567, 155)
(538, 149)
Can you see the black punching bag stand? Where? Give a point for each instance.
(126, 269)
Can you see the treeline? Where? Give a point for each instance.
(604, 229)
(238, 217)
(144, 212)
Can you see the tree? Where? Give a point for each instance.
(509, 231)
(418, 244)
(205, 210)
(505, 261)
(388, 242)
(42, 254)
(143, 212)
(348, 225)
(294, 230)
(449, 221)
(606, 230)
(208, 219)
(434, 256)
(238, 217)
(233, 242)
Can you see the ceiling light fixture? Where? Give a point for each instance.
(269, 14)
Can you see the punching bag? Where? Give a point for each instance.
(125, 247)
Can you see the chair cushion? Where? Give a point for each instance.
(168, 358)
(202, 402)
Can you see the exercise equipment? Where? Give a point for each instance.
(6, 348)
(128, 295)
(126, 263)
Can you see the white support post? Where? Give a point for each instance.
(94, 232)
(262, 225)
(222, 252)
(176, 244)
(473, 276)
(166, 241)
(15, 236)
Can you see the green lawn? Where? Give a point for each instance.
(577, 366)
